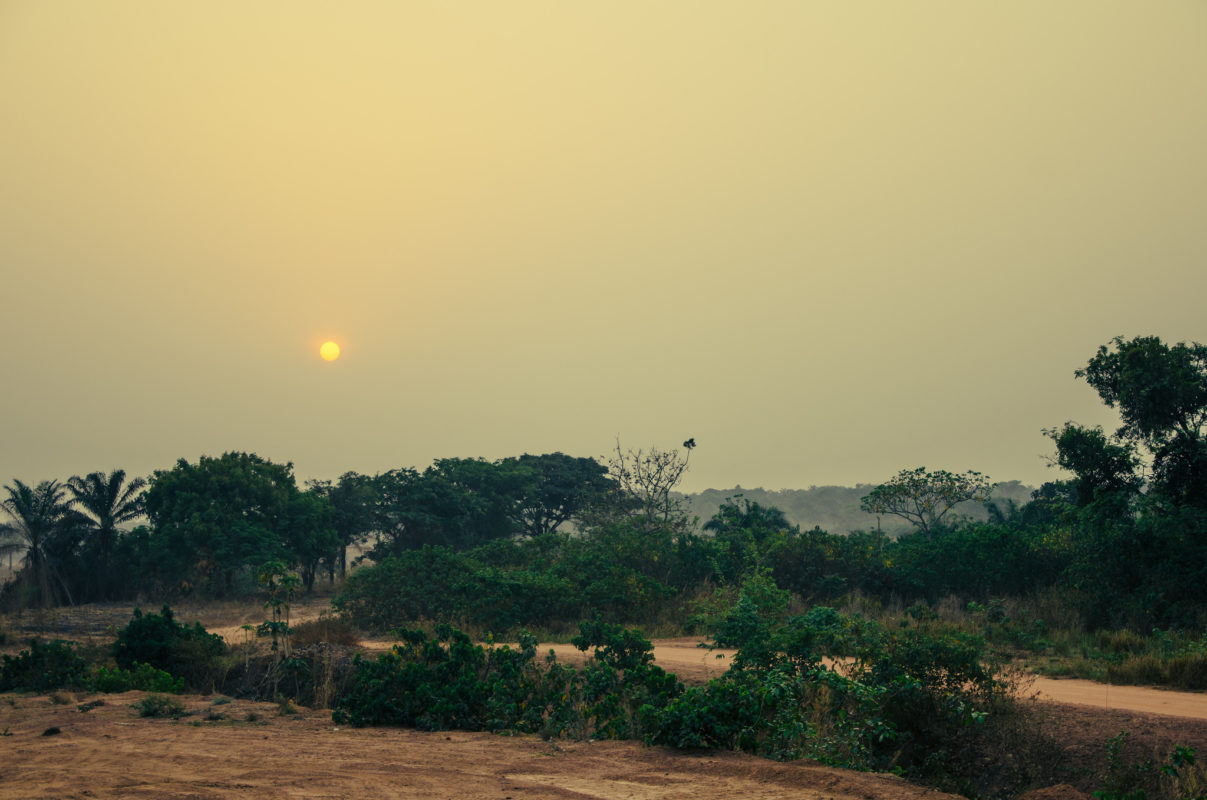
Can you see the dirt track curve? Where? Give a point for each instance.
(695, 664)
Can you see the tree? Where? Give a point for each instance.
(924, 498)
(102, 503)
(646, 482)
(742, 530)
(353, 503)
(309, 536)
(224, 516)
(457, 502)
(1106, 468)
(40, 520)
(564, 487)
(1161, 393)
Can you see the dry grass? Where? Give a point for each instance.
(326, 629)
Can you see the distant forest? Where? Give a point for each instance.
(836, 508)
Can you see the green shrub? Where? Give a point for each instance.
(446, 683)
(449, 682)
(43, 667)
(440, 585)
(143, 677)
(187, 652)
(623, 692)
(158, 705)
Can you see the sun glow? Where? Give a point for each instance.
(329, 351)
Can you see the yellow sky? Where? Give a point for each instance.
(828, 240)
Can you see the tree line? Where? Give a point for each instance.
(552, 539)
(212, 523)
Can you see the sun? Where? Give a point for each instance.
(329, 351)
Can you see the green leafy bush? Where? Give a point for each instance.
(449, 682)
(158, 640)
(446, 683)
(43, 667)
(623, 692)
(143, 677)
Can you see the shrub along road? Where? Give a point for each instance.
(694, 665)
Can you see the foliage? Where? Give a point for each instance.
(158, 705)
(142, 677)
(436, 583)
(41, 522)
(101, 504)
(447, 682)
(158, 640)
(220, 517)
(1107, 468)
(841, 689)
(1161, 393)
(457, 502)
(43, 667)
(450, 682)
(353, 501)
(1125, 778)
(924, 498)
(743, 531)
(281, 586)
(622, 570)
(564, 488)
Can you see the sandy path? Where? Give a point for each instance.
(1127, 698)
(694, 664)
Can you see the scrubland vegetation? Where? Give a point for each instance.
(861, 649)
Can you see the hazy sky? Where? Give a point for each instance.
(828, 240)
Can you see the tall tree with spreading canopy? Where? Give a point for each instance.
(222, 516)
(562, 488)
(924, 498)
(1160, 391)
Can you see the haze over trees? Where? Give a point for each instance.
(550, 539)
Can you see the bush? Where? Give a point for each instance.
(43, 667)
(158, 640)
(445, 683)
(440, 585)
(157, 705)
(143, 677)
(449, 682)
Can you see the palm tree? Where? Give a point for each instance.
(102, 503)
(38, 515)
(10, 545)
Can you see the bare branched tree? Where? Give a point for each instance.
(647, 481)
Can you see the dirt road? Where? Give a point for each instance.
(694, 664)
